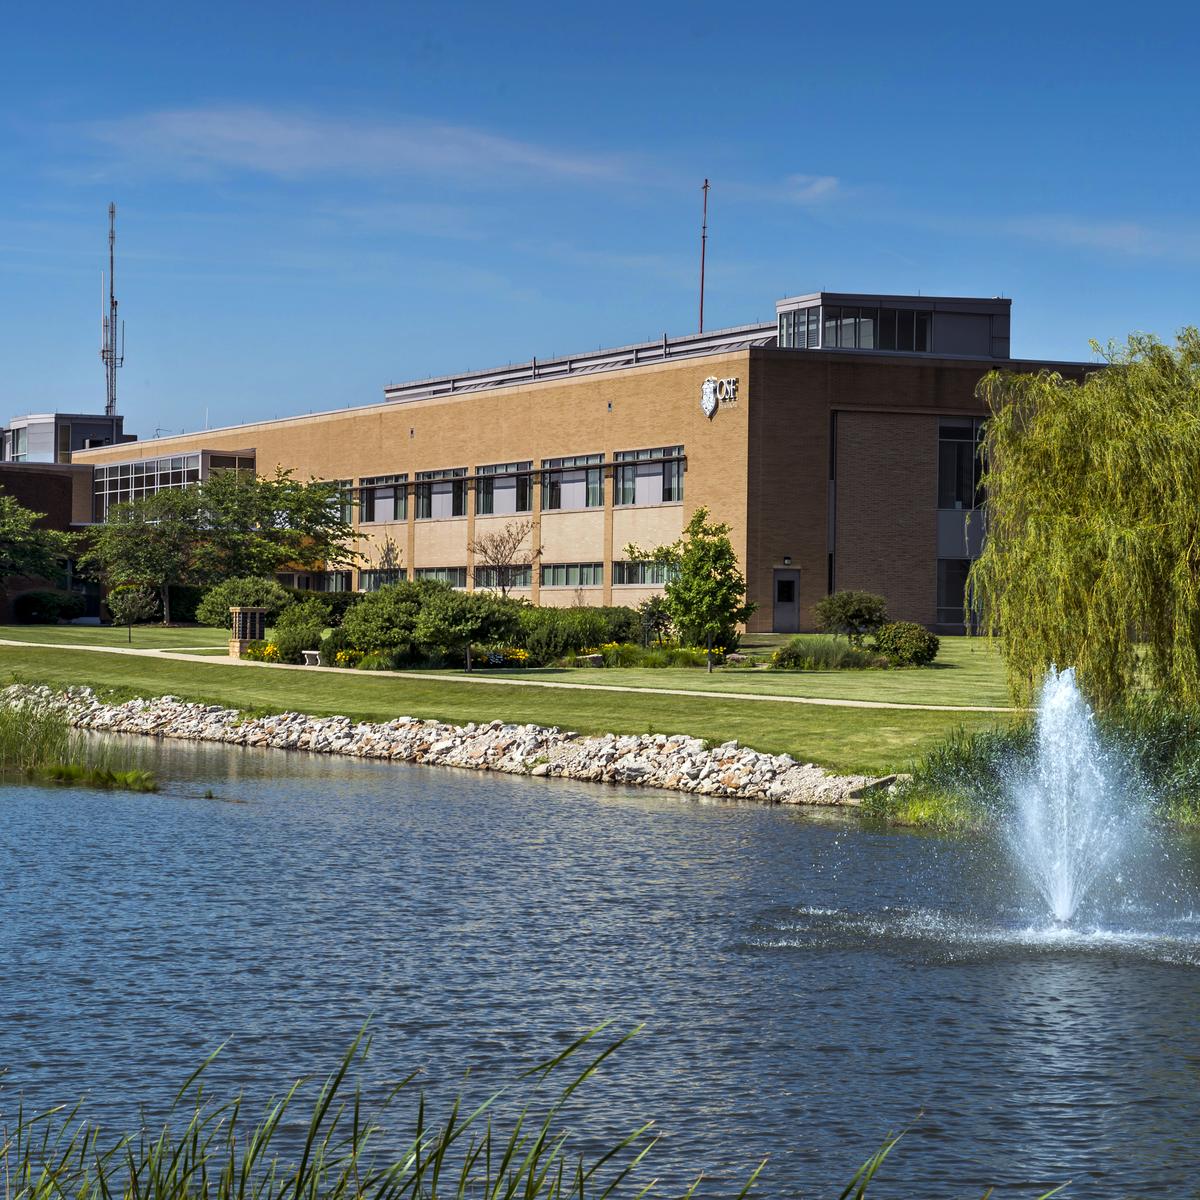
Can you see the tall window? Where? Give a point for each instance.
(574, 482)
(383, 498)
(800, 329)
(649, 476)
(904, 329)
(441, 494)
(951, 589)
(959, 468)
(573, 574)
(19, 444)
(454, 576)
(645, 574)
(373, 580)
(504, 488)
(134, 481)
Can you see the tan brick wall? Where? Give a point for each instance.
(648, 406)
(887, 510)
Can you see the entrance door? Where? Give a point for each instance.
(787, 602)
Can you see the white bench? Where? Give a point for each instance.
(312, 658)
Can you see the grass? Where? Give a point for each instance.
(145, 637)
(968, 672)
(871, 741)
(208, 1148)
(37, 743)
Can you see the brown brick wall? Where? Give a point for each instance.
(886, 510)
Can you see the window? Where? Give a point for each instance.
(951, 589)
(649, 476)
(372, 581)
(441, 494)
(63, 450)
(454, 576)
(515, 576)
(574, 482)
(904, 329)
(573, 575)
(134, 481)
(644, 574)
(800, 329)
(959, 468)
(504, 488)
(331, 581)
(383, 498)
(20, 445)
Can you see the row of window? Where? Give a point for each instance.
(854, 327)
(552, 575)
(641, 477)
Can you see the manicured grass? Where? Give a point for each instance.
(145, 637)
(968, 671)
(844, 739)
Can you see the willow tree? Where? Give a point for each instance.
(1092, 556)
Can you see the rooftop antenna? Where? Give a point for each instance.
(110, 355)
(703, 249)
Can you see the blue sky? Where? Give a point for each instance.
(317, 199)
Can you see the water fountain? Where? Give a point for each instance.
(1074, 819)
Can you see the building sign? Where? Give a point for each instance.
(718, 393)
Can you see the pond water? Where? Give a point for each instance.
(806, 984)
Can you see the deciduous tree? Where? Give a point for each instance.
(27, 549)
(503, 555)
(707, 591)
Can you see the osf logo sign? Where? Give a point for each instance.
(717, 393)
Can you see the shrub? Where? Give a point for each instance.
(553, 633)
(852, 614)
(379, 660)
(184, 599)
(621, 624)
(247, 592)
(300, 627)
(45, 608)
(339, 602)
(452, 621)
(263, 651)
(906, 644)
(809, 653)
(386, 619)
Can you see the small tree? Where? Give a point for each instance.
(505, 555)
(454, 621)
(655, 616)
(852, 614)
(26, 550)
(131, 605)
(706, 594)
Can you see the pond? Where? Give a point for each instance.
(806, 984)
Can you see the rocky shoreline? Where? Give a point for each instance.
(674, 763)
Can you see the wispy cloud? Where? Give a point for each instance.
(1121, 237)
(792, 189)
(289, 145)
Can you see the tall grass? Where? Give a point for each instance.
(37, 741)
(207, 1150)
(822, 652)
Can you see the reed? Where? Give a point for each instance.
(37, 741)
(207, 1150)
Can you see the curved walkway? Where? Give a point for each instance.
(749, 698)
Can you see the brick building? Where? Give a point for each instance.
(838, 443)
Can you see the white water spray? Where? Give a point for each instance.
(1073, 822)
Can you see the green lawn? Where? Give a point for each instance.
(968, 671)
(145, 637)
(845, 739)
